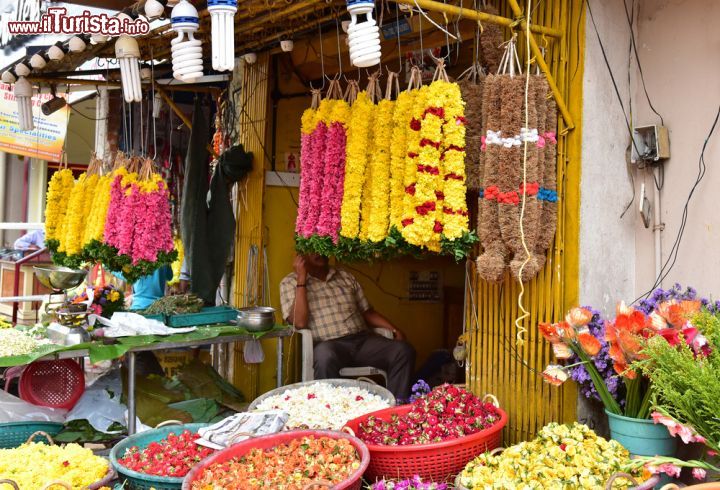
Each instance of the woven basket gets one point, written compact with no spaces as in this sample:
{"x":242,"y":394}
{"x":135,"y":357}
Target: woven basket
{"x":14,"y":434}
{"x":141,"y":481}
{"x":354,"y":481}
{"x":439,"y":461}
{"x":378,"y":390}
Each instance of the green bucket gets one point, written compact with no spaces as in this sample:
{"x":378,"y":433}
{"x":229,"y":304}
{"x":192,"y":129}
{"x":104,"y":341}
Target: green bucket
{"x":642,"y":437}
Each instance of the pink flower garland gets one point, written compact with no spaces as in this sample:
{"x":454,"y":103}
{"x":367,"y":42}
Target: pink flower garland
{"x":112,"y":222}
{"x":154,"y":226}
{"x":315,"y":177}
{"x":306,"y":162}
{"x":334,"y":174}
{"x":130,"y":215}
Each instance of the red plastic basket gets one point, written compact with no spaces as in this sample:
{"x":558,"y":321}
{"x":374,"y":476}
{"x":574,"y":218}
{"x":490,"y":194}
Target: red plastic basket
{"x":353,"y":482}
{"x":57,"y":384}
{"x":439,"y":461}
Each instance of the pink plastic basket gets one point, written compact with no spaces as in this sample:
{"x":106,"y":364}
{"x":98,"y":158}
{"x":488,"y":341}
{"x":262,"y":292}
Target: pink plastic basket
{"x":57,"y":384}
{"x":353,"y":482}
{"x":439,"y":461}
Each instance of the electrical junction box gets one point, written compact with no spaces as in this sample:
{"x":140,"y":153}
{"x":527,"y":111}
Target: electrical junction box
{"x":650,"y":144}
{"x":425,"y":286}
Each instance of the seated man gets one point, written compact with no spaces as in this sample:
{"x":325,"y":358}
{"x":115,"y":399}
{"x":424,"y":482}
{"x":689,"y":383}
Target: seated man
{"x":332,"y":304}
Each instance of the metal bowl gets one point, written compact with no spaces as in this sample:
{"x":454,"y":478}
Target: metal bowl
{"x":59,"y":278}
{"x":256,"y":318}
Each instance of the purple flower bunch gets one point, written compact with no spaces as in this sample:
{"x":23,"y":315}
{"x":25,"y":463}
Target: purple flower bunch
{"x":677,"y":293}
{"x":419,"y":389}
{"x":603,"y":363}
{"x":414,"y":483}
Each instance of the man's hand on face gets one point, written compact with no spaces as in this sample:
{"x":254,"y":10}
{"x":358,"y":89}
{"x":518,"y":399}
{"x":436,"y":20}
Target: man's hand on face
{"x":300,"y":269}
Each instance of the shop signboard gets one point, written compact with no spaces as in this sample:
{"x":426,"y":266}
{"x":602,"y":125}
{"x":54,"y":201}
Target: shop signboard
{"x":45,"y":142}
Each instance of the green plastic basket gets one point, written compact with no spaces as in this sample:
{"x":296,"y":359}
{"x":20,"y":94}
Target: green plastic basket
{"x":14,"y":434}
{"x":141,"y":481}
{"x":207,"y":316}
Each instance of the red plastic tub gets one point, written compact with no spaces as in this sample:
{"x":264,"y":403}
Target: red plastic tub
{"x":439,"y":461}
{"x":353,"y":482}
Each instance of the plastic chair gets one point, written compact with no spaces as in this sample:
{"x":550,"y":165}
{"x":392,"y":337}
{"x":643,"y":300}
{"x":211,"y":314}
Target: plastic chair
{"x":308,"y":373}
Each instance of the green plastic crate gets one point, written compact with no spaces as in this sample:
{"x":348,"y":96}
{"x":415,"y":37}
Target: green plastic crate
{"x":207,"y":316}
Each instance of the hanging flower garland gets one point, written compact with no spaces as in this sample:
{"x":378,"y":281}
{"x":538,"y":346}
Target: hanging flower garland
{"x":366,"y":202}
{"x":310,"y":159}
{"x":59,"y":189}
{"x":472,"y":94}
{"x":334,"y":171}
{"x":491,"y":264}
{"x":98,"y":212}
{"x":398,"y":153}
{"x":548,"y":191}
{"x":361,"y":113}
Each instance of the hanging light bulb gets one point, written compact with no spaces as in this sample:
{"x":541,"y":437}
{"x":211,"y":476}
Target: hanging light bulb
{"x":222,"y":18}
{"x":22,"y":69}
{"x":98,"y":39}
{"x":287,"y":45}
{"x":250,"y":58}
{"x":363,"y":37}
{"x":56,"y":51}
{"x":38,"y":60}
{"x":172,"y":3}
{"x":23,"y":93}
{"x":157,"y":105}
{"x":154,"y":9}
{"x":76,"y":44}
{"x":8,"y":76}
{"x":145,"y":73}
{"x":186,"y":51}
{"x":128,"y":53}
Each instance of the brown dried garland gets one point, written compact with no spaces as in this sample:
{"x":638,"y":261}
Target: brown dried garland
{"x":472,"y":94}
{"x":491,"y":41}
{"x":549,"y":204}
{"x":492,"y":263}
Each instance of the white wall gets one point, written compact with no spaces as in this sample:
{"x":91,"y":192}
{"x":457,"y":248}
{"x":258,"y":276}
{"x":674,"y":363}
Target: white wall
{"x":607,"y":243}
{"x":678,"y":45}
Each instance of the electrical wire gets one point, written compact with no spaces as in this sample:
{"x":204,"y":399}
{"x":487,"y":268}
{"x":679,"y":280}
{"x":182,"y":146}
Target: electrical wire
{"x":619,"y":97}
{"x":633,"y":44}
{"x":674,"y":251}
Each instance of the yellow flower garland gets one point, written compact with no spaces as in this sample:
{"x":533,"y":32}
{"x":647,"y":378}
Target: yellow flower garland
{"x":398,"y":154}
{"x":355,"y":164}
{"x":177,"y":265}
{"x":380,"y":171}
{"x":58,"y":192}
{"x":455,"y":220}
{"x":100,"y":203}
{"x":75,"y":216}
{"x":308,"y":121}
{"x":409,"y":231}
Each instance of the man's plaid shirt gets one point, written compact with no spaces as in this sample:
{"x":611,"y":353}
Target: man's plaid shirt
{"x":336,"y":305}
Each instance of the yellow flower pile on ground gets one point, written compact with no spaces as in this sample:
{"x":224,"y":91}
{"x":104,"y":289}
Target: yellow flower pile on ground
{"x":34,"y":465}
{"x":561,"y":457}
{"x":59,"y":189}
{"x":359,"y":131}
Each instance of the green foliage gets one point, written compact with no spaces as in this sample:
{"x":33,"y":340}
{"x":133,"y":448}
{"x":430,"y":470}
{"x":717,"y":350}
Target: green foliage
{"x":686,"y":387}
{"x":394,"y":245}
{"x":709,"y":325}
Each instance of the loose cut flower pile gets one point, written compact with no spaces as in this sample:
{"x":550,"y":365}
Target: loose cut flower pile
{"x":386,"y":177}
{"x":323,"y":406}
{"x":34,"y":465}
{"x":447,"y":412}
{"x":13,"y":342}
{"x":561,"y":456}
{"x":173,"y":456}
{"x":121,"y":219}
{"x":414,"y":483}
{"x":289,"y":466}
